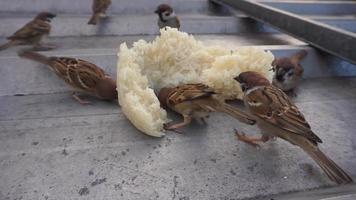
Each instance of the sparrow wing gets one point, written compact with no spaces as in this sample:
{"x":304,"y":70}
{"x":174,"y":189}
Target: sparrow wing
{"x":189,"y":92}
{"x":283,"y":113}
{"x":32,"y":29}
{"x":79,"y":73}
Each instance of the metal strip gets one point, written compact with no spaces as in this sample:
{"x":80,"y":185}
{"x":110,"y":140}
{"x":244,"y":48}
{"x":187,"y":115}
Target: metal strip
{"x":330,"y":39}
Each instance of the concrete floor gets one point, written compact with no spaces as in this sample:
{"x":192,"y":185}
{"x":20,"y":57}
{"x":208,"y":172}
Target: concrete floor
{"x":232,"y":41}
{"x":53,"y":148}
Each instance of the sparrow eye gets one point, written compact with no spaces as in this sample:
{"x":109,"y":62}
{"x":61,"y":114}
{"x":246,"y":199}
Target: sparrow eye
{"x":290,"y":74}
{"x":243,"y":87}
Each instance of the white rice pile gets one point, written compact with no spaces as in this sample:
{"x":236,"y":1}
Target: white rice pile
{"x":176,"y":58}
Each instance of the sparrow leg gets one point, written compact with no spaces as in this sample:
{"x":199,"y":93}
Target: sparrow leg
{"x":203,"y":120}
{"x":186,"y":120}
{"x":251,"y":140}
{"x":81,"y":101}
{"x":166,"y":127}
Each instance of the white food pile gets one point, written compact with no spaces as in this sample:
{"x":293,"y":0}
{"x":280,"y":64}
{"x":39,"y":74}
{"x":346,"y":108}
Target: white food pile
{"x":176,"y":58}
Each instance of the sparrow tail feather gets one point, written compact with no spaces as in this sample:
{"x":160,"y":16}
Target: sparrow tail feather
{"x":35,"y":56}
{"x":8,"y":44}
{"x":332,"y":170}
{"x":94,"y":19}
{"x":234,"y":112}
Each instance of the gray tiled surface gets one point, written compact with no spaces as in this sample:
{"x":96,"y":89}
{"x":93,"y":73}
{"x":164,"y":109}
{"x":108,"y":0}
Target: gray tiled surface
{"x":76,"y":25}
{"x":346,"y":192}
{"x":106,"y":42}
{"x":314,"y":7}
{"x":27,"y":77}
{"x":52,"y":148}
{"x":181,"y":6}
{"x":84,"y":6}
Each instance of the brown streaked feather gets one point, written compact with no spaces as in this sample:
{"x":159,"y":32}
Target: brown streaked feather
{"x":81,"y":65}
{"x":87,"y":79}
{"x":188,"y":92}
{"x":287,"y":64}
{"x":197,"y":101}
{"x":32,"y":29}
{"x":100,"y":6}
{"x":71,"y":75}
{"x":291,"y":62}
{"x":283,"y":113}
{"x":78,"y":73}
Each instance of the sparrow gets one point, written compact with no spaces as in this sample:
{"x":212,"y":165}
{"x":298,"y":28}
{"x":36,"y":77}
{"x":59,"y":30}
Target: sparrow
{"x":99,"y":8}
{"x":288,"y":72}
{"x":81,"y":75}
{"x":278,"y":116}
{"x":196,"y":101}
{"x":167,"y":17}
{"x":32,"y":33}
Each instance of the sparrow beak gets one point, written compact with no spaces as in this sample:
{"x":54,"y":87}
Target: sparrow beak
{"x":51,"y":15}
{"x":237,"y":79}
{"x":280,"y":78}
{"x":242,"y":85}
{"x":156,"y":11}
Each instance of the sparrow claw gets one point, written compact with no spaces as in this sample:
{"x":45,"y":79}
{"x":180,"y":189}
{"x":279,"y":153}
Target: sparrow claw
{"x":203,"y":121}
{"x":85,"y":102}
{"x":81,"y":101}
{"x":171,"y":128}
{"x":242,"y":137}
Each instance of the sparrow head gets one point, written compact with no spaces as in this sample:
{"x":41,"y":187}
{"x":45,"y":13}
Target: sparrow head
{"x":164,"y":11}
{"x":163,"y":96}
{"x":45,"y":16}
{"x":251,"y":79}
{"x":106,"y":89}
{"x":285,"y":70}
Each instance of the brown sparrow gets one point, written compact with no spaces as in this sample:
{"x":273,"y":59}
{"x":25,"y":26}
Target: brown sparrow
{"x":278,"y":116}
{"x":167,"y":17}
{"x":32,"y":33}
{"x":99,"y":10}
{"x":196,"y":101}
{"x":81,"y":75}
{"x":288,"y":71}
